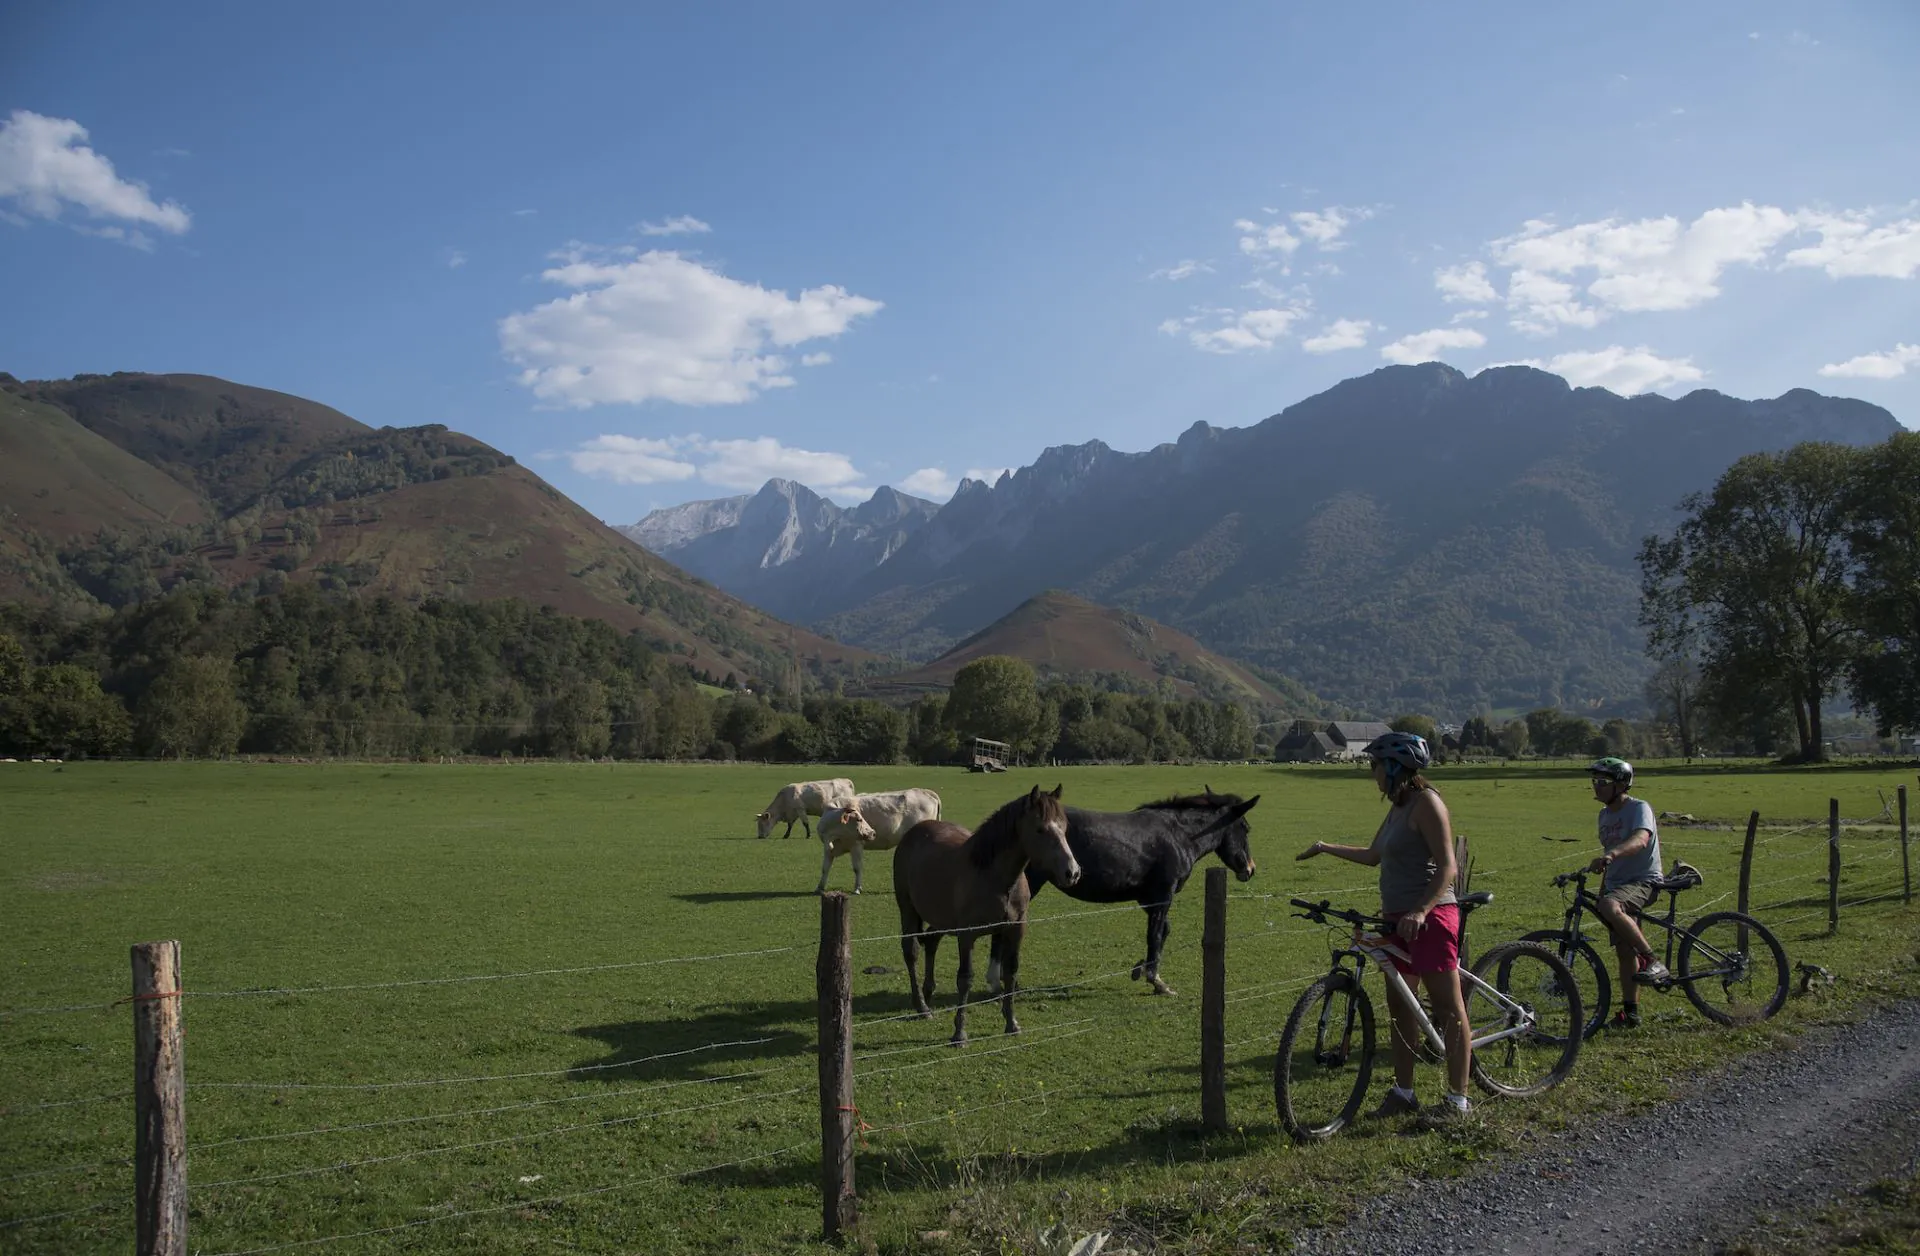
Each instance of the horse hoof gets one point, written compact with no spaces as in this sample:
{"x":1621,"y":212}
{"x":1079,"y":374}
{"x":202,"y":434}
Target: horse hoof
{"x":958,"y":1040}
{"x":1013,"y":1027}
{"x":1161,"y":987}
{"x":1135,"y":974}
{"x":925,"y":1013}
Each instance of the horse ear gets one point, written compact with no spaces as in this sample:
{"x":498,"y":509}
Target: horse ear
{"x":1056,"y":789}
{"x":1207,"y":790}
{"x":1034,"y":794}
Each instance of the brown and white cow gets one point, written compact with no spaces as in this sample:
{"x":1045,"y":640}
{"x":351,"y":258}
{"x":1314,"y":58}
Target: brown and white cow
{"x":871,"y":822}
{"x":799,"y":800}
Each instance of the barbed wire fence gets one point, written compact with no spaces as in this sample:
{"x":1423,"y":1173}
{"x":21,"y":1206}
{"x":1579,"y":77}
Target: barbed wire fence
{"x":771,"y":1084}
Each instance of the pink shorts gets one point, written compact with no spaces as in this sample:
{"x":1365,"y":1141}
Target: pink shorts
{"x":1436,"y":948}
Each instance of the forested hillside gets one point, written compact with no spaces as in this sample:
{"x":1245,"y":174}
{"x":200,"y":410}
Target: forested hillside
{"x":121,"y":487}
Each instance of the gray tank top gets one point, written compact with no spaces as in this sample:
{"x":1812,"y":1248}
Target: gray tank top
{"x":1406,"y":865}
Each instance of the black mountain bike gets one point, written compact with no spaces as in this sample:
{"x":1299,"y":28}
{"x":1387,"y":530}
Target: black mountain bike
{"x":1730,"y":965}
{"x":1523,"y":1014}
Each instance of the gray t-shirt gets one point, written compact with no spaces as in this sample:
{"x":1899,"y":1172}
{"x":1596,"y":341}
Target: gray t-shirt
{"x":1406,"y":865}
{"x":1616,"y":826}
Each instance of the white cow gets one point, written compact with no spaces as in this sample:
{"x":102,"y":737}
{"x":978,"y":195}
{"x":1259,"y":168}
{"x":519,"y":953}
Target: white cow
{"x":871,"y":822}
{"x":800,"y":800}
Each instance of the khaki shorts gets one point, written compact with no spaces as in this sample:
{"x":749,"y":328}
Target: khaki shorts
{"x":1634,"y":895}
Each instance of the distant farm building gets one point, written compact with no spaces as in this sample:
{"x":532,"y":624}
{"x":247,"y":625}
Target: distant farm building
{"x":1331,"y":741}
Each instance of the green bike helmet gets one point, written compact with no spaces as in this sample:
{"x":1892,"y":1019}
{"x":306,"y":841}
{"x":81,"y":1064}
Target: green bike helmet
{"x":1613,"y":768}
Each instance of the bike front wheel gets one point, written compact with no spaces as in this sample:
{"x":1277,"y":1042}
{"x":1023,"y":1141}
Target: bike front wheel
{"x":1326,"y":1058}
{"x":1589,"y":974}
{"x":1732,"y":968}
{"x":1535,"y":1002}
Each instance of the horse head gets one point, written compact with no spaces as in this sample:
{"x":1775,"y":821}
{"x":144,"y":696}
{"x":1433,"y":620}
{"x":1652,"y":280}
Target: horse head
{"x":1235,"y":846}
{"x":1042,"y":826}
{"x":763,"y":824}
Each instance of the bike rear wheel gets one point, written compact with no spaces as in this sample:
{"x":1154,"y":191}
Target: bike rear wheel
{"x":1589,"y":970}
{"x":1549,"y":1015}
{"x":1733,"y":968}
{"x":1326,"y":1058}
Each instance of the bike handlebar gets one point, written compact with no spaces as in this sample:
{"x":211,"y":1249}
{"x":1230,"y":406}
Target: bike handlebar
{"x":1320,"y":911}
{"x":1567,"y":878}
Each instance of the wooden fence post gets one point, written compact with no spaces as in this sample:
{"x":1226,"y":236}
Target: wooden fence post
{"x":1906,"y":869}
{"x":1746,"y":859}
{"x":1213,"y":1005}
{"x":159,"y":1103}
{"x":833,"y":976}
{"x":1833,"y":865}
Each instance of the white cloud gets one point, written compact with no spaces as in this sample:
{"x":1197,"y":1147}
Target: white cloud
{"x":1889,"y":365}
{"x":45,"y":167}
{"x":1252,"y":329}
{"x":1272,"y":242}
{"x":659,"y":326}
{"x":630,"y":460}
{"x":1644,"y":265}
{"x":750,"y":463}
{"x":454,"y":259}
{"x":1467,"y":316}
{"x":685,"y":224}
{"x":1345,"y":333}
{"x":1625,"y":371}
{"x":1851,"y":246}
{"x":730,"y":464}
{"x":1182,"y":270}
{"x":1542,"y":305}
{"x":523,"y":213}
{"x":1324,"y":227}
{"x":815,"y":359}
{"x":932,"y":483}
{"x":1465,"y":283}
{"x":1426,"y":346}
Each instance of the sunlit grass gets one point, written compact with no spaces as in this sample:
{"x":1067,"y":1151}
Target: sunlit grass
{"x":292,"y":877}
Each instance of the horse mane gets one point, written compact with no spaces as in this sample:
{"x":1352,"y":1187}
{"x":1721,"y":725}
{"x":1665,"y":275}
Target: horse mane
{"x":1000,"y":831}
{"x":1192,"y":802}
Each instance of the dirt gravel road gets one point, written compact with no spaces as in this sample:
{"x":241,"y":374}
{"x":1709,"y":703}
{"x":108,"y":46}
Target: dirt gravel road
{"x":1779,"y":1134}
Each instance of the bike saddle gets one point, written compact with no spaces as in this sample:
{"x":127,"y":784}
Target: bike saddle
{"x":1684,"y":877}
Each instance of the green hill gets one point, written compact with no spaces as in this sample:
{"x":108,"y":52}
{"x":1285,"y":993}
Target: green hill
{"x":119,"y":487}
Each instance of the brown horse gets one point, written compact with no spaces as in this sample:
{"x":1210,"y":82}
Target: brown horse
{"x":948,"y":880}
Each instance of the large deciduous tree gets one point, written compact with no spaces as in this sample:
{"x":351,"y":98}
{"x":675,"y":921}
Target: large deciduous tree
{"x":1885,"y":537}
{"x":192,"y":711}
{"x":1760,"y":567}
{"x":996,"y":697}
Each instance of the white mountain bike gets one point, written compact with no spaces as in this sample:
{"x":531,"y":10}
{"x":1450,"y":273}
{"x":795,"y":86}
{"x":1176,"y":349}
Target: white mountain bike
{"x":1523,"y":1010}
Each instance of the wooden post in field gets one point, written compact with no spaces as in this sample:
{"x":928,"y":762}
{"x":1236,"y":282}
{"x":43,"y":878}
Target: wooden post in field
{"x":1746,"y":859}
{"x":1906,"y":868}
{"x":1213,"y":1005}
{"x":159,"y":1103}
{"x":1833,"y":865}
{"x":833,"y":976}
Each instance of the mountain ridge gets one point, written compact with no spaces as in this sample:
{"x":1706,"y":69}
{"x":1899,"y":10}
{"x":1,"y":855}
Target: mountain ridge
{"x":1413,"y":538}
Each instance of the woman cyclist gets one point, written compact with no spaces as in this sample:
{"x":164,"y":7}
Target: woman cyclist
{"x":1629,"y":864}
{"x":1414,"y":851}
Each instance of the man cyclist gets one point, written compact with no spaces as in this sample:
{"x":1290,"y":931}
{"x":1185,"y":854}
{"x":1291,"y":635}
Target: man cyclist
{"x":1629,"y":862}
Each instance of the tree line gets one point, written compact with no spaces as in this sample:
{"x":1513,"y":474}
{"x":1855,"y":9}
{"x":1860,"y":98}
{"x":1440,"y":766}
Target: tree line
{"x":1794,"y":579}
{"x":200,"y":672}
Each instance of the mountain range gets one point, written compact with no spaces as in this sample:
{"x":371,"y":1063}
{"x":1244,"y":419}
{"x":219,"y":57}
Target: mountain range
{"x":1411,"y":539}
{"x":113,"y":487}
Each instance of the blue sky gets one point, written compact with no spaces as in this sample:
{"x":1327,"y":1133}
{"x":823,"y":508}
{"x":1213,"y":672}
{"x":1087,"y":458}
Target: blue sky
{"x":662,"y":254}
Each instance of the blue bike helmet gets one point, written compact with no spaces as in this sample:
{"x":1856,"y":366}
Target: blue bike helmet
{"x":1401,"y":752}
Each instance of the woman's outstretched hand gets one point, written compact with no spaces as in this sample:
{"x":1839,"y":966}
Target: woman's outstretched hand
{"x":1318,"y":848}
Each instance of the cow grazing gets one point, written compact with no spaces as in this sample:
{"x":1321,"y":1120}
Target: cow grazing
{"x":871,"y":822}
{"x":799,"y":800}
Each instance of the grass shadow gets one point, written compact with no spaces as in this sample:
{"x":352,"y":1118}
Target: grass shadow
{"x":706,"y":898}
{"x":722,"y":1041}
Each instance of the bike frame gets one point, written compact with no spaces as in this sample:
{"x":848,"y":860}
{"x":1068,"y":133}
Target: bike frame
{"x":1379,"y":950}
{"x":1585,"y":901}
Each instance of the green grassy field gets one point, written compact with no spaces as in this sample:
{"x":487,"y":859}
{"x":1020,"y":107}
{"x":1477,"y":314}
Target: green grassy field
{"x":610,"y":1091}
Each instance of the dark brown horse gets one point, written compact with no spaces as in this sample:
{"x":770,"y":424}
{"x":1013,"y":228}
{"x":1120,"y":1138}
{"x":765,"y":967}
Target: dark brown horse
{"x":950,"y":881}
